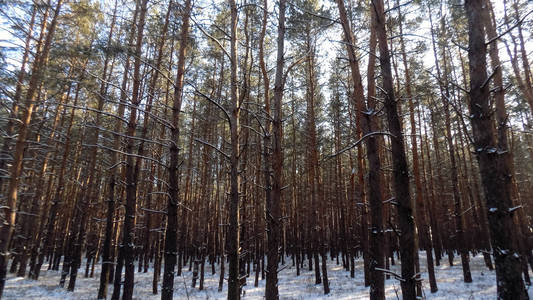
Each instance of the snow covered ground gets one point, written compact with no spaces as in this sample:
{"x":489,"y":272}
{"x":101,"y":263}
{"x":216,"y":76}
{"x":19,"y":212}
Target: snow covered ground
{"x":449,"y":280}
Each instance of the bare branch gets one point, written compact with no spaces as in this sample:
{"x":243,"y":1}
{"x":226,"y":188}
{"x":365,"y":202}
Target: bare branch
{"x":508,"y":29}
{"x":214,"y":39}
{"x":359,"y":141}
{"x":213,"y":146}
{"x":212,"y":101}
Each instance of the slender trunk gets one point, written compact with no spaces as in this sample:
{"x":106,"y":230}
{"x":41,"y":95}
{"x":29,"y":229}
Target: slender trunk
{"x":422,"y":225}
{"x":377,"y":278}
{"x":132,"y":170}
{"x":9,"y":210}
{"x":28,"y":223}
{"x":10,"y":126}
{"x":173,"y":187}
{"x":399,"y":160}
{"x":273,"y":203}
{"x":233,"y":236}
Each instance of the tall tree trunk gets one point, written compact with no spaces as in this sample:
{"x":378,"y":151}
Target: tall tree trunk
{"x":132,"y":170}
{"x":377,"y":278}
{"x":171,"y":246}
{"x":312,"y":153}
{"x":233,"y":230}
{"x":460,"y":241}
{"x":274,"y":163}
{"x":422,"y":225}
{"x":108,"y":235}
{"x":501,"y":126}
{"x":492,"y":162}
{"x":116,"y":273}
{"x":399,"y":161}
{"x":10,"y":209}
{"x":144,"y":133}
{"x":10,"y":126}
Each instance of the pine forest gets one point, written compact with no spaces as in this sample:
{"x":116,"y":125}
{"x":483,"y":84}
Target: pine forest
{"x":259,"y":149}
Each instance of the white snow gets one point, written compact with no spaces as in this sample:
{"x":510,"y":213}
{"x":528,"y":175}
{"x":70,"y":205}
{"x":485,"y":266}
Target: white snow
{"x":449,"y":281}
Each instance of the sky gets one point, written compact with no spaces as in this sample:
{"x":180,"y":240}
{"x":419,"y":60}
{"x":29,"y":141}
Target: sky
{"x":328,"y":42}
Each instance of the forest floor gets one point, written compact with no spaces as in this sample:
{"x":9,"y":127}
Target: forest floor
{"x":449,"y":281}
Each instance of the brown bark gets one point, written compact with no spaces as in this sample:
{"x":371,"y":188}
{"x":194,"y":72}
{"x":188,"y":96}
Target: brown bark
{"x":233,"y":236}
{"x":502,"y":131}
{"x":377,"y":278}
{"x":106,"y":255}
{"x":9,"y":211}
{"x":132,"y":170}
{"x":493,"y":165}
{"x":273,"y":192}
{"x":10,"y":126}
{"x":425,"y":241}
{"x":399,"y":161}
{"x":173,"y":185}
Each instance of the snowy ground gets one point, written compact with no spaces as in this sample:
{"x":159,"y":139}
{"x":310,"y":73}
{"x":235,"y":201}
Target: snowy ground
{"x":449,"y":281}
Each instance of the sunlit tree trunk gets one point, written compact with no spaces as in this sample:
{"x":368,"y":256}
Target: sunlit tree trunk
{"x":9,"y":210}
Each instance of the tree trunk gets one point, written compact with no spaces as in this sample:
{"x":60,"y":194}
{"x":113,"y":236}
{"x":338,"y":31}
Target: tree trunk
{"x":171,"y":246}
{"x":425,"y":241}
{"x":131,"y":173}
{"x":233,"y":230}
{"x":10,"y":126}
{"x":492,"y":162}
{"x":9,"y":210}
{"x":399,"y":160}
{"x":377,"y":278}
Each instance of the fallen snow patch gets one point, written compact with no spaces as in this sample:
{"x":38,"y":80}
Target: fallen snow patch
{"x":291,"y":287}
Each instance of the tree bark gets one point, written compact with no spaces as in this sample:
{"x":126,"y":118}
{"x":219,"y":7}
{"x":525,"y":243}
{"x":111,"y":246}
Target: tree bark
{"x":493,"y":165}
{"x":171,"y":246}
{"x":233,"y":236}
{"x":9,"y":210}
{"x":377,"y":278}
{"x":132,"y":170}
{"x":399,"y":160}
{"x":425,"y":241}
{"x":10,"y":126}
